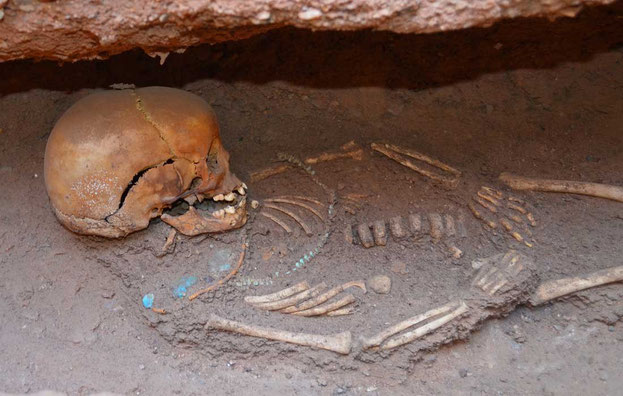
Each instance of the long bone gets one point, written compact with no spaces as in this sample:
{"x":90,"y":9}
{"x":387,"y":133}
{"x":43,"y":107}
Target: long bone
{"x":287,"y":302}
{"x":349,"y":150}
{"x":563,"y":186}
{"x":561,"y":287}
{"x":299,"y":287}
{"x":325,"y":296}
{"x":377,"y":339}
{"x":395,"y":153}
{"x":340,"y":343}
{"x":425,"y":329}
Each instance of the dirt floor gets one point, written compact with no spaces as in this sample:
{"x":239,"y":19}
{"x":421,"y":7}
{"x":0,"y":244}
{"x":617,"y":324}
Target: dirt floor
{"x":531,"y":97}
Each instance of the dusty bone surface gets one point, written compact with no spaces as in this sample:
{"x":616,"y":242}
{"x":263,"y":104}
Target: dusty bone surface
{"x":74,"y":30}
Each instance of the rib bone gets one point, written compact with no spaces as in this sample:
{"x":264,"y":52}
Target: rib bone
{"x":340,"y":343}
{"x":341,"y":312}
{"x":287,"y":302}
{"x":561,"y":287}
{"x":563,"y":186}
{"x":276,"y":220}
{"x":301,"y":198}
{"x":299,"y":287}
{"x":323,"y":309}
{"x":293,"y":215}
{"x":292,"y":202}
{"x":325,"y":296}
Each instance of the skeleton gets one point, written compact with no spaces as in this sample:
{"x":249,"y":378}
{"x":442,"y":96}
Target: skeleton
{"x":511,"y":213}
{"x":117,"y":159}
{"x":563,"y":186}
{"x":301,"y":300}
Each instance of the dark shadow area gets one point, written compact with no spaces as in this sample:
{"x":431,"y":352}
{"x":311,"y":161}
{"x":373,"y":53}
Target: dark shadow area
{"x":345,"y":59}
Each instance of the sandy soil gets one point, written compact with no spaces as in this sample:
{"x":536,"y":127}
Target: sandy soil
{"x":530,"y":97}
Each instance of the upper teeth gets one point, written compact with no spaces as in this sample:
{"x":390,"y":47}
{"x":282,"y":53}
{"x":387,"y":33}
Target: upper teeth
{"x":241,"y":191}
{"x":219,"y":197}
{"x":230,"y":197}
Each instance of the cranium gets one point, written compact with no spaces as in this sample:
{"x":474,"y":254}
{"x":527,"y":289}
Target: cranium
{"x":117,"y":159}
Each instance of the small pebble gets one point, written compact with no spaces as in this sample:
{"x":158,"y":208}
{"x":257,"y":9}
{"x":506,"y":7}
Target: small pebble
{"x":463,"y":373}
{"x":380,"y":284}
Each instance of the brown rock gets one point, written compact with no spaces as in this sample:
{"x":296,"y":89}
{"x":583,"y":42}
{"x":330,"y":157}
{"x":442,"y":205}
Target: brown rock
{"x":380,"y":284}
{"x":71,"y":30}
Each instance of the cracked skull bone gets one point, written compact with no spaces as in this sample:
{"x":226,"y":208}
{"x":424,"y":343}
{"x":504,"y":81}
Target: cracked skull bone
{"x":117,"y":159}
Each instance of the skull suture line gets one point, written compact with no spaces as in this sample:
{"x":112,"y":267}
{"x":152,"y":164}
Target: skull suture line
{"x":117,"y":159}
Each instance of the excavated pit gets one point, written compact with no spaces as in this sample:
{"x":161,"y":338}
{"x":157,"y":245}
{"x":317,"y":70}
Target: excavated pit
{"x":531,"y":97}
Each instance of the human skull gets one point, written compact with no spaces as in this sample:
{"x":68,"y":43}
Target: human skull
{"x":117,"y":159}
